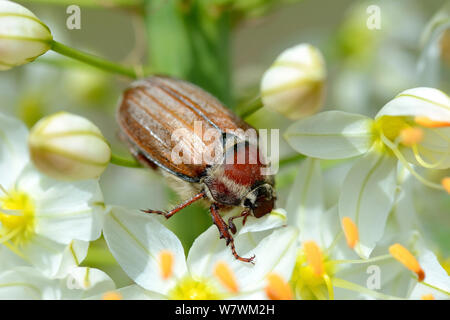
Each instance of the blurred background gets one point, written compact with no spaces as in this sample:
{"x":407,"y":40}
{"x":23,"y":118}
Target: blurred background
{"x":225,"y":46}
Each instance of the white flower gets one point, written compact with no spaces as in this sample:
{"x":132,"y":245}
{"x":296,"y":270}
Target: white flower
{"x":64,"y":261}
{"x":294,"y":85}
{"x":27,"y":283}
{"x":68,"y":147}
{"x":437,"y":281}
{"x":327,"y":263}
{"x":412,"y":128}
{"x":154,"y":258}
{"x":40,"y":217}
{"x":23,"y":37}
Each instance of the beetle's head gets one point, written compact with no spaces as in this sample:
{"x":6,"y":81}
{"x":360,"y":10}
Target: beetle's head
{"x":260,"y":200}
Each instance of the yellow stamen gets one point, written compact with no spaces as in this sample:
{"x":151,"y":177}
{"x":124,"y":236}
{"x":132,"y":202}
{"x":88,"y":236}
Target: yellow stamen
{"x":428,"y":297}
{"x":350,"y":231}
{"x":411,"y":136}
{"x":314,"y":257}
{"x":402,"y":254}
{"x":277,"y":288}
{"x":428,"y":123}
{"x":226,"y":276}
{"x":446,"y":184}
{"x":197,"y":288}
{"x":17,"y":218}
{"x":112,"y":295}
{"x":166,"y":263}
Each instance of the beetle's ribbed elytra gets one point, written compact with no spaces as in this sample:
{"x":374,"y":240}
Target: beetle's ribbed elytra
{"x":155,"y":108}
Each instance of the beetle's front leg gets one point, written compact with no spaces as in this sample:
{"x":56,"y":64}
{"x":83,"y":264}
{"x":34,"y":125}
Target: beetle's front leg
{"x":170,"y":213}
{"x":244,"y":214}
{"x":224,"y":234}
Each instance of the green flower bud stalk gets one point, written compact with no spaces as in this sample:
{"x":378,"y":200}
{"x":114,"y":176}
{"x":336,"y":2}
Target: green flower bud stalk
{"x":295,"y":84}
{"x":23,"y":37}
{"x":68,"y":147}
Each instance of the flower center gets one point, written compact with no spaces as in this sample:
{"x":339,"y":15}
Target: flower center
{"x":391,"y":128}
{"x":16,"y":218}
{"x":306,"y":282}
{"x":189,"y":288}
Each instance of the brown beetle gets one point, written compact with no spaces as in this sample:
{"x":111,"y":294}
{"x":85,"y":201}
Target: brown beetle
{"x":152,"y":109}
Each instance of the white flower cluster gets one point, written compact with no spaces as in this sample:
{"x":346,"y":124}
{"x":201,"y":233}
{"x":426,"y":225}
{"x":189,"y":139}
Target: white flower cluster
{"x":47,"y":224}
{"x":317,"y":247}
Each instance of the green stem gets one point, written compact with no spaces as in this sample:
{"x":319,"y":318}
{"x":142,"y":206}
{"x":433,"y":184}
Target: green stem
{"x":191,"y":41}
{"x":93,"y":60}
{"x":124,"y":162}
{"x":251,"y":107}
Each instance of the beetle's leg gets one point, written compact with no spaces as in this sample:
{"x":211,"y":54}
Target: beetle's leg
{"x":170,"y":213}
{"x":224,"y":234}
{"x":244,"y":214}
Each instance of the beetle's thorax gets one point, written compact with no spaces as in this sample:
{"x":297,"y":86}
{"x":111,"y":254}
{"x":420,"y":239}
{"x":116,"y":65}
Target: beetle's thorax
{"x":233,"y":181}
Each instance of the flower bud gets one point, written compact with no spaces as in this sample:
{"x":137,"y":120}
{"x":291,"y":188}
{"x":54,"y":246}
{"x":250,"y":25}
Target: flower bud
{"x":294,"y":84}
{"x":68,"y":147}
{"x":23,"y":37}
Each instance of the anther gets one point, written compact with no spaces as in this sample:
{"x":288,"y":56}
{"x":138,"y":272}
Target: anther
{"x":428,"y":123}
{"x":314,"y":257}
{"x":277,"y":288}
{"x":350,"y":231}
{"x":411,"y":136}
{"x":446,"y":184}
{"x":166,"y":260}
{"x":402,"y":254}
{"x":112,"y":295}
{"x":226,"y":276}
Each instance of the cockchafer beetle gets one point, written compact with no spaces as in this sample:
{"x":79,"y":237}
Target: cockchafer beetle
{"x":149,"y":113}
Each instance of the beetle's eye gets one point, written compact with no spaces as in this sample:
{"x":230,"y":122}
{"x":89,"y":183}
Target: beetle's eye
{"x":248,"y":203}
{"x":263,"y":206}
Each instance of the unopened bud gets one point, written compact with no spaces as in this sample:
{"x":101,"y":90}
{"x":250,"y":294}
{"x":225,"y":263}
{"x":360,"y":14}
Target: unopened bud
{"x":68,"y":147}
{"x":23,"y":37}
{"x":295,"y":84}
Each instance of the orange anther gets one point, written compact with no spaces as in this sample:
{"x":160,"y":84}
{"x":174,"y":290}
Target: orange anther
{"x":402,"y":254}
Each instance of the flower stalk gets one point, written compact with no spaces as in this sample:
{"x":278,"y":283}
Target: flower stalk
{"x":93,"y":60}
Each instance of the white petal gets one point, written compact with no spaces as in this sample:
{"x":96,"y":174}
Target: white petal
{"x":83,"y":282}
{"x":305,"y":200}
{"x":64,"y":210}
{"x":367,"y":197}
{"x":404,"y":211}
{"x":331,"y":238}
{"x":275,"y":252}
{"x":73,"y":255}
{"x":435,"y":276}
{"x":273,"y":220}
{"x":134,"y":292}
{"x":23,"y":283}
{"x":45,"y":254}
{"x":135,"y":239}
{"x":394,"y":279}
{"x":13,"y":150}
{"x":9,"y":260}
{"x":331,"y":135}
{"x":427,"y":102}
